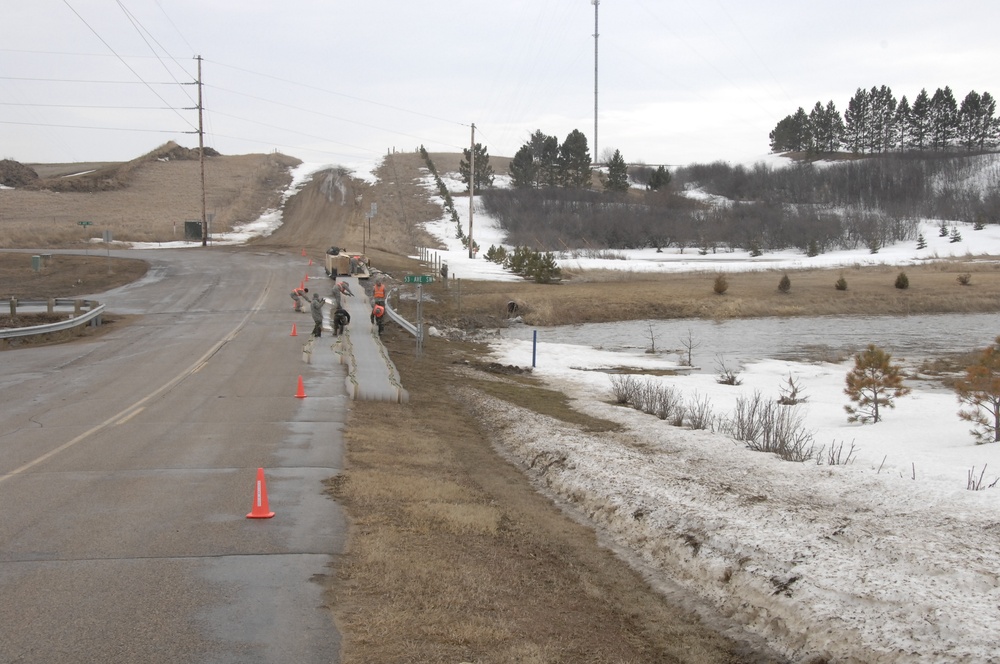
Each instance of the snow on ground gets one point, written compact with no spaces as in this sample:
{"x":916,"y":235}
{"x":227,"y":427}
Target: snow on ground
{"x":890,"y":558}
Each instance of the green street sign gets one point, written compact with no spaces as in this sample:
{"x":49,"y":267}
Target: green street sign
{"x":418,"y":279}
{"x":85,"y":223}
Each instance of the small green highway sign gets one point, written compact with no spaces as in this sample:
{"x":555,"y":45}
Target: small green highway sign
{"x":85,"y":223}
{"x":418,"y":279}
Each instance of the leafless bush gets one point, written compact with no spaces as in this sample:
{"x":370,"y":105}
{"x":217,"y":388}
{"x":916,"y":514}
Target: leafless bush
{"x":699,"y":413}
{"x":678,"y":416}
{"x":765,"y":426}
{"x":835,"y":455}
{"x":965,"y":278}
{"x":746,"y":421}
{"x":791,"y":392}
{"x":976,"y":484}
{"x":668,"y":399}
{"x":727,"y":376}
{"x":624,"y":388}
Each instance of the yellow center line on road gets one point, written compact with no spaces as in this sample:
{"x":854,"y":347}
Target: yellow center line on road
{"x":131,"y":411}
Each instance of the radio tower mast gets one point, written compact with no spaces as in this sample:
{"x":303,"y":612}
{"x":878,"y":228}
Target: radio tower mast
{"x":596,"y":4}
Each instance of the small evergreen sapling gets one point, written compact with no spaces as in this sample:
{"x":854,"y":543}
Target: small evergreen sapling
{"x":785,"y":284}
{"x":875,"y":382}
{"x":721,"y":284}
{"x":841,"y":283}
{"x":955,"y":235}
{"x":921,"y":242}
{"x":902,"y":281}
{"x":979,"y":393}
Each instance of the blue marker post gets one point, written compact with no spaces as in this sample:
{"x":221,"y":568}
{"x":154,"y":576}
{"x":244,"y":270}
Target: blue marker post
{"x":534,"y":347}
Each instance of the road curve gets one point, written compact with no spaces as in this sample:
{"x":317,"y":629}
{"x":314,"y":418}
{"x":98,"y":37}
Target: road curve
{"x":128,"y":464}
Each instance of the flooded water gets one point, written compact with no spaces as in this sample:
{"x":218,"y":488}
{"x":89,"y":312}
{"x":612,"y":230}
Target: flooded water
{"x":736,"y":342}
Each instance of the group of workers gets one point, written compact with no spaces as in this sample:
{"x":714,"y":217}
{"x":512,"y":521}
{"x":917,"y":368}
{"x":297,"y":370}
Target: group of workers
{"x":340,"y":318}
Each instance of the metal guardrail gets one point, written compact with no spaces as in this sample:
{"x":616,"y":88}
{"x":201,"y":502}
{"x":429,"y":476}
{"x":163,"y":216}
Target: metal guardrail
{"x":399,"y":320}
{"x":92,"y":317}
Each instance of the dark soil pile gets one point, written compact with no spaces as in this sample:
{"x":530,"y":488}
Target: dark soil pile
{"x":16,"y":174}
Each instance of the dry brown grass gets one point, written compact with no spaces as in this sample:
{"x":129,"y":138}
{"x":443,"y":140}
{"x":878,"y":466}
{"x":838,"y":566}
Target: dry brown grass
{"x":158,"y":198}
{"x":596,"y":297}
{"x":453,"y":557}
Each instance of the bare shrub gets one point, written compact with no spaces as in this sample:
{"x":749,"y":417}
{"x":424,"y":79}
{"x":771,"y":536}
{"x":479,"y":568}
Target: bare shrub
{"x":699,"y":412}
{"x":623,"y":388}
{"x":765,"y":426}
{"x":835,"y":455}
{"x":668,"y":399}
{"x":679,"y":415}
{"x":976,"y":483}
{"x":727,"y":376}
{"x":791,"y":392}
{"x":964,"y":279}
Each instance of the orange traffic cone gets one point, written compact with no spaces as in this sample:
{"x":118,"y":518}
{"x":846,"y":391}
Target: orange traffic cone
{"x":260,"y":509}
{"x":310,"y":261}
{"x":294,"y":333}
{"x":301,"y":392}
{"x":305,"y":279}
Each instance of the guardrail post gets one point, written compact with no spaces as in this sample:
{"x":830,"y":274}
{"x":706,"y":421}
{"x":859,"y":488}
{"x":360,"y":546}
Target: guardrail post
{"x":77,"y":307}
{"x":13,"y":306}
{"x":52,"y":305}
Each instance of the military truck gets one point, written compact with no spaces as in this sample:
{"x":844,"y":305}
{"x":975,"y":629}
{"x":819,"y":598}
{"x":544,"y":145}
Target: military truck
{"x":343,"y":263}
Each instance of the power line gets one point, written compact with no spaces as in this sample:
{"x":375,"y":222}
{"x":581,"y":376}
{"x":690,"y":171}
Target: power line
{"x":66,"y":2}
{"x":89,"y":82}
{"x":68,"y":126}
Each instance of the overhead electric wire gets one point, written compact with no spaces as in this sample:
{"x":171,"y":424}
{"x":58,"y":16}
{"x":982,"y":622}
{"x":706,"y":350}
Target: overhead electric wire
{"x":122,"y":60}
{"x":67,"y":126}
{"x":89,"y":82}
{"x":341,"y":94}
{"x":139,"y":28}
{"x":319,"y":113}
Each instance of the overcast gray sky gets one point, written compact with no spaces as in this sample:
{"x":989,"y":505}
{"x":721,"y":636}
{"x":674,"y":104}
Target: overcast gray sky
{"x":342,"y":82}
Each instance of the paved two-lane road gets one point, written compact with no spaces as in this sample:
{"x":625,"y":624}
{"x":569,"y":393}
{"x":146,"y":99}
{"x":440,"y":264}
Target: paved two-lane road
{"x":127,"y":467}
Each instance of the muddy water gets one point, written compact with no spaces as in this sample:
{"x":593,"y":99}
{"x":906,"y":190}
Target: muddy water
{"x":831,"y":338}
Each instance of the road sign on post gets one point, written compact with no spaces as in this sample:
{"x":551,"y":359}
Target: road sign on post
{"x":418,"y":279}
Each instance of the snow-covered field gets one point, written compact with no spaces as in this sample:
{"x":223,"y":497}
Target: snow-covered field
{"x":890,"y":558}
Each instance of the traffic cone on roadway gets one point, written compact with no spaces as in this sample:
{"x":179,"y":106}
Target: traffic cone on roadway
{"x":301,"y":392}
{"x":310,"y":261}
{"x":294,"y":333}
{"x":260,"y":508}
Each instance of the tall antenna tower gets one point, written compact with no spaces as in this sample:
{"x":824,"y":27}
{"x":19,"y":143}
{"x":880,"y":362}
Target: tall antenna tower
{"x":596,"y":3}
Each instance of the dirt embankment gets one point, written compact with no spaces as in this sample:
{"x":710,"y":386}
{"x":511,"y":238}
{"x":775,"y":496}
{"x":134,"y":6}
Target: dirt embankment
{"x":143,"y":200}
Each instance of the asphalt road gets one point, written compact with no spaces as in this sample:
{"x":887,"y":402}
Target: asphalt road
{"x":128,"y":466}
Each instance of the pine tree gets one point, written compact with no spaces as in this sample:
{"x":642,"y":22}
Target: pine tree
{"x":617,"y":174}
{"x":785,"y":284}
{"x":920,"y":120}
{"x":875,"y":382}
{"x":944,"y":118}
{"x":921,"y":242}
{"x":954,"y":236}
{"x":979,"y":392}
{"x":484,"y":171}
{"x":659,"y":178}
{"x":574,"y":161}
{"x":523,"y":169}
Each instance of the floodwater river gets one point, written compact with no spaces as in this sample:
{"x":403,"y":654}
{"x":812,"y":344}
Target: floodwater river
{"x":738,"y":342}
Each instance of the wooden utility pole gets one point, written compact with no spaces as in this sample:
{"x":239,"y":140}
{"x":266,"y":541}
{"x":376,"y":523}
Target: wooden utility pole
{"x":472,"y":186}
{"x":201,"y":158}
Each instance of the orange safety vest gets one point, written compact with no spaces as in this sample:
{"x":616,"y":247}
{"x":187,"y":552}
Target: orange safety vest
{"x":379,"y":292}
{"x":379,"y":310}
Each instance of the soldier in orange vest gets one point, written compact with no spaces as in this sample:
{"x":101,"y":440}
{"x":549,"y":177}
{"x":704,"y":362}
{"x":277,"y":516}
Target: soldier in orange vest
{"x":378,"y":313}
{"x":297,"y":295}
{"x":378,"y":293}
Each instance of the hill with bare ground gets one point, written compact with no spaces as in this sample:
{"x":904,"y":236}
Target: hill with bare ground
{"x":143,"y":200}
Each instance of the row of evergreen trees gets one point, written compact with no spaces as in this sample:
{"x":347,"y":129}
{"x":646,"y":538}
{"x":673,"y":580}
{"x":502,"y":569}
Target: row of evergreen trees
{"x":876,"y":122}
{"x":544,"y":162}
